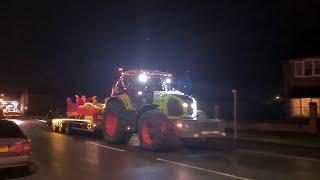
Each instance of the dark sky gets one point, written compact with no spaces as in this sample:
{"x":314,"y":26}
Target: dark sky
{"x":78,"y":46}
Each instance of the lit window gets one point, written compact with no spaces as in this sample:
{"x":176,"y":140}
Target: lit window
{"x":308,"y":68}
{"x":300,"y":106}
{"x":295,"y":107}
{"x":305,"y":106}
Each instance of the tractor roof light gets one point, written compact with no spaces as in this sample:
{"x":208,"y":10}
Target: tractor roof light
{"x":143,"y":78}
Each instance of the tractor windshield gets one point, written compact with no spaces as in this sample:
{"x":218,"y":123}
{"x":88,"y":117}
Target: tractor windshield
{"x":158,"y":84}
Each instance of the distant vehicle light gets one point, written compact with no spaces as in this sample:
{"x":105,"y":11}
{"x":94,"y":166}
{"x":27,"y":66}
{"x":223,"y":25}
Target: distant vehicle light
{"x":139,"y":93}
{"x":168,"y":80}
{"x":185,"y":105}
{"x":143,"y":78}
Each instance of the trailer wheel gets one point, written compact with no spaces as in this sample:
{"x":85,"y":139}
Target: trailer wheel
{"x":156,"y":133}
{"x":62,"y":128}
{"x":67,"y":129}
{"x":114,"y":123}
{"x":54,"y":128}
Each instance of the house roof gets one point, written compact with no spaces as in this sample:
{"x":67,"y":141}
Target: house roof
{"x":303,"y":59}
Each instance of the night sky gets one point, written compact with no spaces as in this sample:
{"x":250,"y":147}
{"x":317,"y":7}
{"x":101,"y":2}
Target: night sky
{"x":77,"y":47}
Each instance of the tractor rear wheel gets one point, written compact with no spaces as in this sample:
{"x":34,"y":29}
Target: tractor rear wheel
{"x":114,"y":123}
{"x":156,"y":133}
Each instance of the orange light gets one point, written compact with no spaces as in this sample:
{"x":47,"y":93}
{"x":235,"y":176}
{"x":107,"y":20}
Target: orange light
{"x":179,"y":125}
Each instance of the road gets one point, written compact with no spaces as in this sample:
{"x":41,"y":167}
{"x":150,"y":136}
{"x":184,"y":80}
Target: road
{"x":58,"y":156}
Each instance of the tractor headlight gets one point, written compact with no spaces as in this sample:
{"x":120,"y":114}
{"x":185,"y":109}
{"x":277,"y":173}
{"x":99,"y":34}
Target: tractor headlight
{"x":143,"y":78}
{"x":184,"y":105}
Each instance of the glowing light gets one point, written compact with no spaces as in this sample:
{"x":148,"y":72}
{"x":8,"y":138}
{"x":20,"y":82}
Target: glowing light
{"x":143,"y":78}
{"x":179,"y":125}
{"x":277,"y":97}
{"x":168,"y":80}
{"x":17,"y":121}
{"x":194,"y":107}
{"x":128,"y":128}
{"x":185,"y":105}
{"x":94,"y":125}
{"x":139,"y":93}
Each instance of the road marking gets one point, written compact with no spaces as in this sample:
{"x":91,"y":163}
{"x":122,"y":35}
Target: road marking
{"x":202,"y":169}
{"x":121,"y":150}
{"x":42,"y":121}
{"x":279,"y":155}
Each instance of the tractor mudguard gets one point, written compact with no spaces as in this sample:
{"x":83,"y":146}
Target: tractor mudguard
{"x":125,"y":99}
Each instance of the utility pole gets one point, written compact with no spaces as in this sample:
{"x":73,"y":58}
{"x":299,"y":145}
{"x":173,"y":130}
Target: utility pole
{"x":234,"y":92}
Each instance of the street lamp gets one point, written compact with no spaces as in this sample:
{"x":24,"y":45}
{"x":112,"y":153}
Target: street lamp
{"x":234,"y":92}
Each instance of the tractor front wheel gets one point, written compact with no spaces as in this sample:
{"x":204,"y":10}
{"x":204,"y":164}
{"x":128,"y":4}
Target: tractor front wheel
{"x":156,"y":133}
{"x":114,"y":123}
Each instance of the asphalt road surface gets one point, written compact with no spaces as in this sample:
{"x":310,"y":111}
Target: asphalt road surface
{"x":58,"y":157}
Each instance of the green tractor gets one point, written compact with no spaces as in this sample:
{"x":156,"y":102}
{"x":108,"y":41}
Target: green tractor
{"x":143,"y":102}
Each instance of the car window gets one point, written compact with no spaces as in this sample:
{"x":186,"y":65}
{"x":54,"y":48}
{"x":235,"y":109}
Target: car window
{"x":10,"y":130}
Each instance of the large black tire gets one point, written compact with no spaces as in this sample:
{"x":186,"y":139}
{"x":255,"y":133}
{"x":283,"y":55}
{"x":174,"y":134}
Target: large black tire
{"x":55,"y":128}
{"x":67,"y":129}
{"x":156,"y":133}
{"x":62,"y":128}
{"x":114,"y":123}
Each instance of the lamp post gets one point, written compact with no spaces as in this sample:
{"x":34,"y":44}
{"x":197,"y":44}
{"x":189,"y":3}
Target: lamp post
{"x":234,"y":92}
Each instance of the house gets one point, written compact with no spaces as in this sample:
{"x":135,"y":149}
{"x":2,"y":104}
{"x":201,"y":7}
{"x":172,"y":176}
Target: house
{"x":302,"y":84}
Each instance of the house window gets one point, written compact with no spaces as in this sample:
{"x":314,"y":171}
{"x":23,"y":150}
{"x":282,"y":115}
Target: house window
{"x":317,"y":100}
{"x":300,"y":106}
{"x":307,"y":68}
{"x":317,"y":67}
{"x":295,"y":107}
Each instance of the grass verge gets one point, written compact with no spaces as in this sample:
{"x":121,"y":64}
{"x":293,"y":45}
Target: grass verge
{"x":293,"y":140}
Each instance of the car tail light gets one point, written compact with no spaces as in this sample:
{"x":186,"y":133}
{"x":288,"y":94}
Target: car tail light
{"x":20,"y":148}
{"x":26,"y":147}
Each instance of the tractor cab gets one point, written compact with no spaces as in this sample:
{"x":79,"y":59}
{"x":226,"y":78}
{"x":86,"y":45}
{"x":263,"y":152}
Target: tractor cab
{"x":142,"y":84}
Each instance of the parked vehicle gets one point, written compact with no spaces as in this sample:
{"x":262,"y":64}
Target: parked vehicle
{"x":15,"y":147}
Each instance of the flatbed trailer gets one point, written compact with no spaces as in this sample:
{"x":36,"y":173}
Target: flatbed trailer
{"x":85,"y":118}
{"x":90,"y":124}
